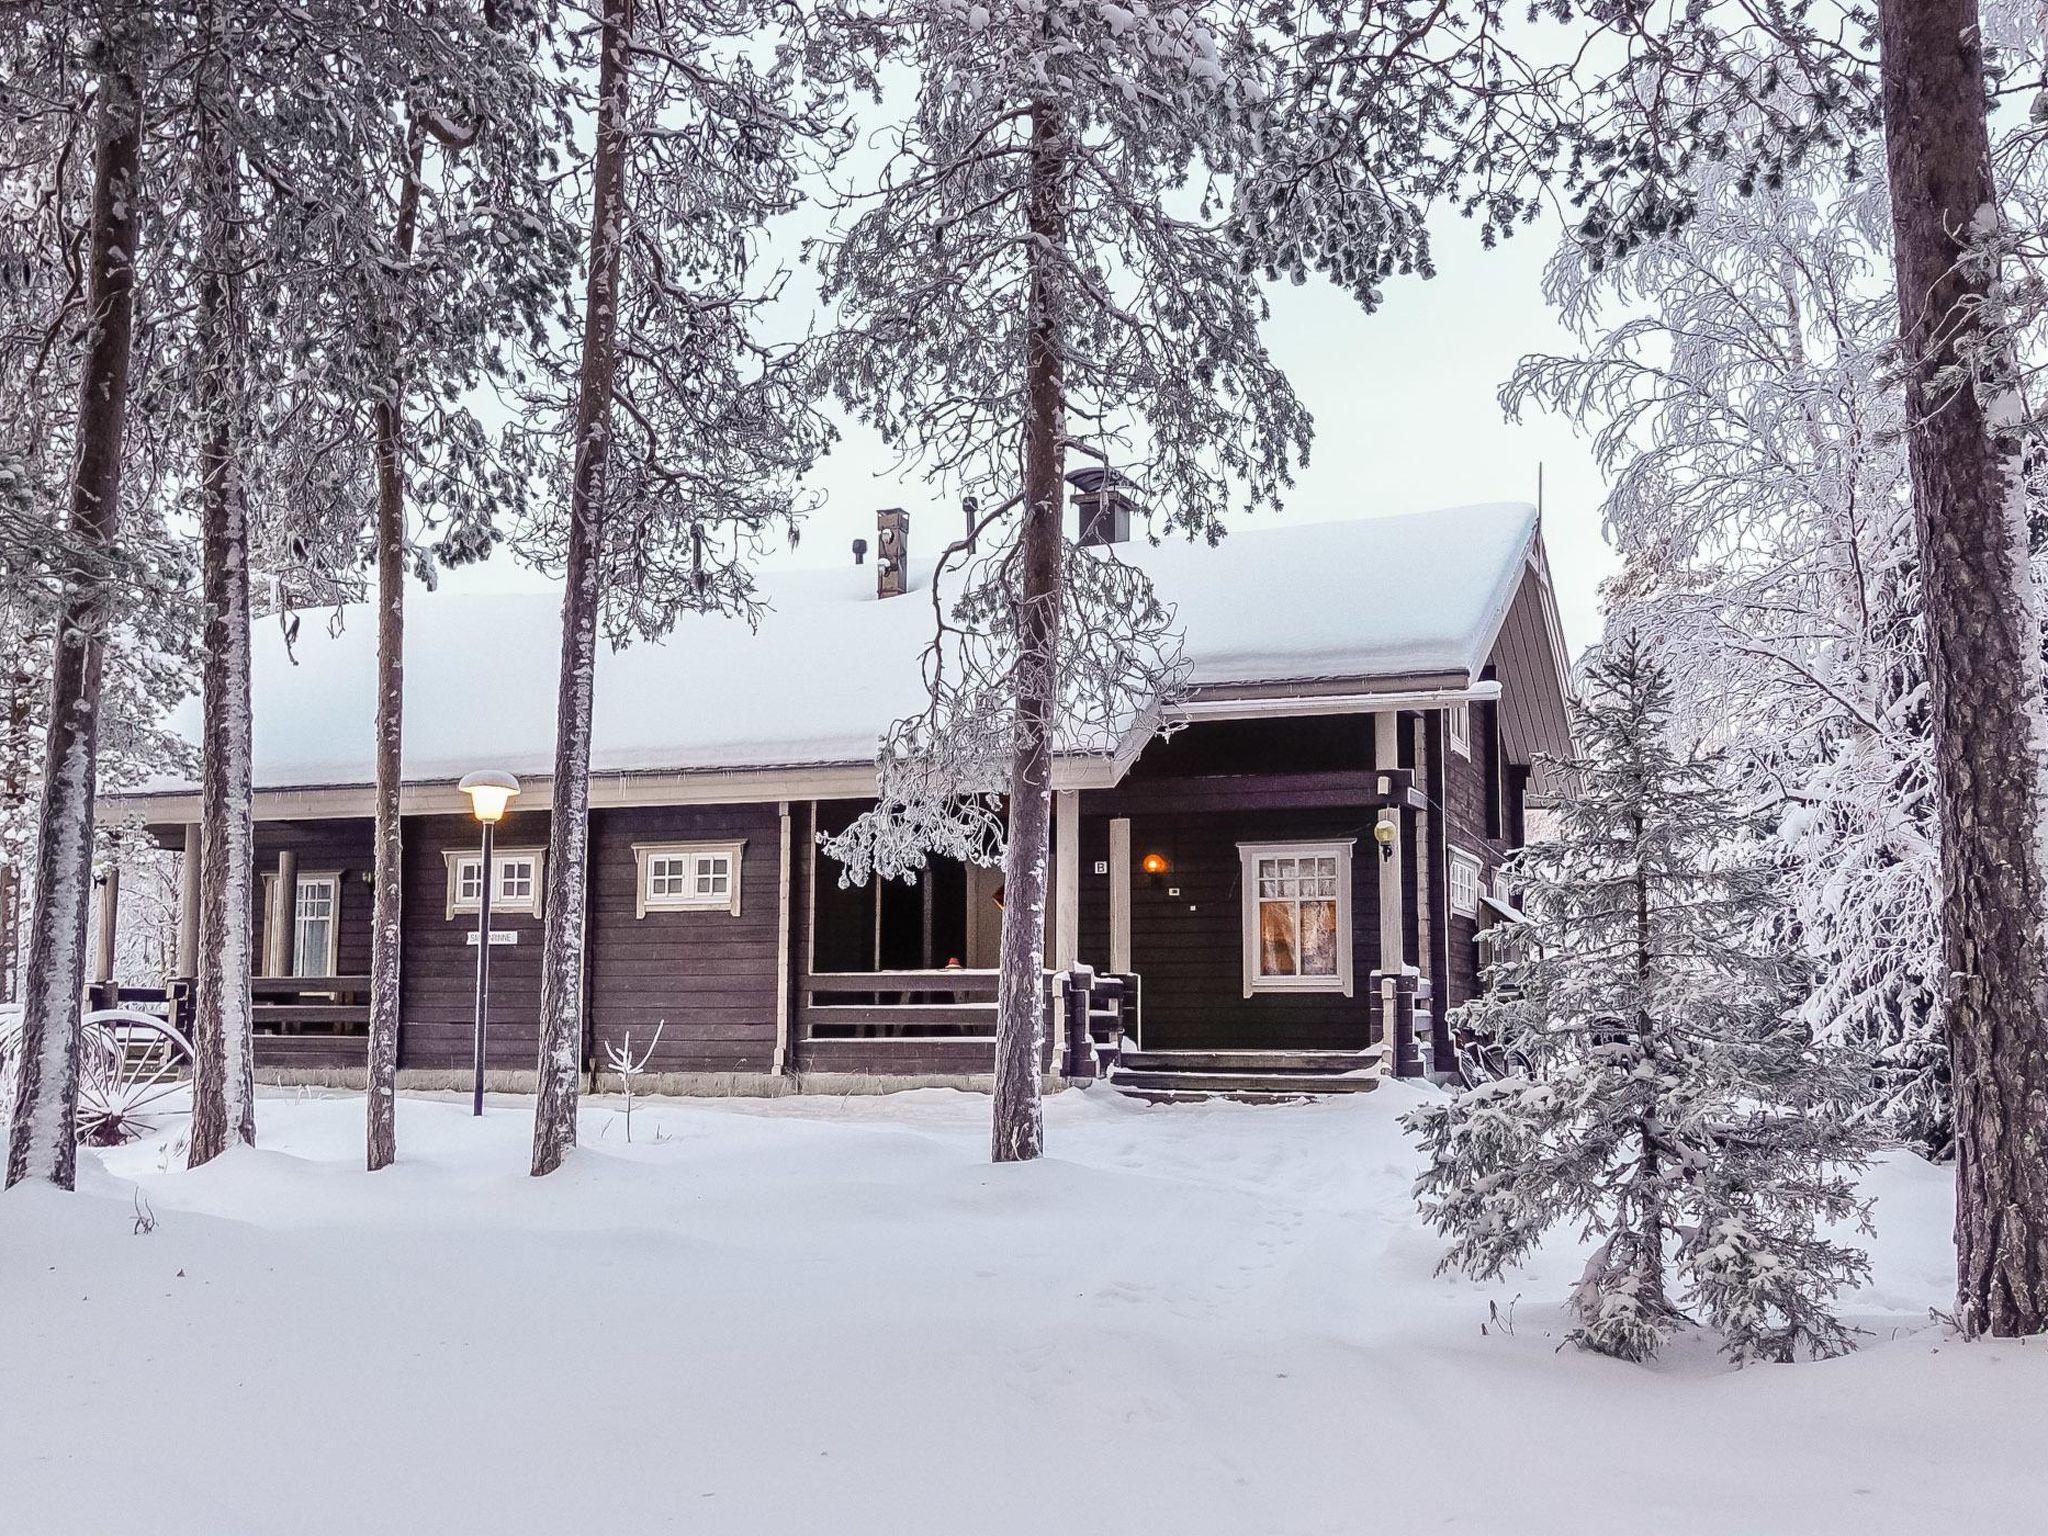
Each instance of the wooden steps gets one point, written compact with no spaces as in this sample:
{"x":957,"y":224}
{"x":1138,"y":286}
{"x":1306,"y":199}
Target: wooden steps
{"x":1252,"y":1077}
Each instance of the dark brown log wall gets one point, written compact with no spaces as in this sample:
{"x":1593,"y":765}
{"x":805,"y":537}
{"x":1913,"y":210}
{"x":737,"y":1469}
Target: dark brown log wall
{"x":1189,"y":947}
{"x":439,"y":971}
{"x":708,"y":974}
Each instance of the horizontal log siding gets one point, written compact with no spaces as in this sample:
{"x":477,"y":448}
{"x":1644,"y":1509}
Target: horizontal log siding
{"x":313,"y":1052}
{"x":438,"y":985}
{"x":323,"y":847}
{"x":706,"y":977}
{"x":1188,"y":949}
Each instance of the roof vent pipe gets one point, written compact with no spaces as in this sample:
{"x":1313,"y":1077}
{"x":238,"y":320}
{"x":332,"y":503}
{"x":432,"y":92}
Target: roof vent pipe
{"x":892,"y":551}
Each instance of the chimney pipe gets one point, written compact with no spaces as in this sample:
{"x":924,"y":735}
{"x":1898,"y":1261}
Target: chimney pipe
{"x":1104,"y":498}
{"x":892,"y":551}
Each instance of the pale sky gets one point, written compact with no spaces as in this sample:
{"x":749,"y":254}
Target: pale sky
{"x":1406,"y":419}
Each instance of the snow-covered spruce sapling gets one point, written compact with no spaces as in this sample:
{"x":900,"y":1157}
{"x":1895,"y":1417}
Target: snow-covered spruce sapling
{"x":1668,"y":1104}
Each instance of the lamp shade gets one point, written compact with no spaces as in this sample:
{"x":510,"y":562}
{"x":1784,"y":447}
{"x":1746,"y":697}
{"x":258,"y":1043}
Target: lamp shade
{"x":490,"y":790}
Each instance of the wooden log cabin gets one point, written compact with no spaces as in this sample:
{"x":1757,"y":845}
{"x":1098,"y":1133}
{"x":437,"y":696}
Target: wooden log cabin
{"x":1305,"y":862}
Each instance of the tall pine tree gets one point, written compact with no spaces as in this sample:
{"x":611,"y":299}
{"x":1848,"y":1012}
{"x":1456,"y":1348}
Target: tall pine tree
{"x":1666,"y":1099}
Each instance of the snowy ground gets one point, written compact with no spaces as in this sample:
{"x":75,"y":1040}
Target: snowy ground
{"x":833,"y":1316}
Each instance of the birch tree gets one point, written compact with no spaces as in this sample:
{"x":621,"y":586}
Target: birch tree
{"x":1736,"y":380}
{"x":681,"y":434}
{"x":1042,"y":268}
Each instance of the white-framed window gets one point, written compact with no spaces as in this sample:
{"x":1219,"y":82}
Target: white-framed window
{"x":688,"y":877}
{"x":1458,"y":726}
{"x":315,"y":921}
{"x":1297,"y":916}
{"x":515,"y":880}
{"x":313,"y":925}
{"x":1464,"y":883}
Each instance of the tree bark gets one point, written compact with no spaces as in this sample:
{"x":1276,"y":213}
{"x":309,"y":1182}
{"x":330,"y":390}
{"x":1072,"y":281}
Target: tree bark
{"x":1984,"y":665}
{"x":386,"y":931}
{"x":1018,"y":1133}
{"x":15,"y":752}
{"x":42,"y":1143}
{"x":561,"y":1017}
{"x":223,"y":1064}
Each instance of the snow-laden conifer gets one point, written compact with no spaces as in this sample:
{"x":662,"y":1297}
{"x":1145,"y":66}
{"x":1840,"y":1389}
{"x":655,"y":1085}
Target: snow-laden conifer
{"x":1664,"y":1101}
{"x":1043,"y":271}
{"x":74,"y":83}
{"x":680,"y":433}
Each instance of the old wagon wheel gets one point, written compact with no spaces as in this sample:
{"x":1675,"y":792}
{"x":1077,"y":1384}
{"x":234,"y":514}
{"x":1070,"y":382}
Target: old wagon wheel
{"x":129,"y":1064}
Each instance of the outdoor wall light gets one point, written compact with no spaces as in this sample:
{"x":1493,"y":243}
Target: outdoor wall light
{"x":1385,"y":832}
{"x":1153,"y":864}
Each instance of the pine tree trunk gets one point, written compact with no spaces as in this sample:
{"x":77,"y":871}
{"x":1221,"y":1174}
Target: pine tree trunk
{"x":561,"y":1001}
{"x":223,"y":1065}
{"x":42,"y":1145}
{"x":1019,"y":1127}
{"x":1984,"y":666}
{"x":14,"y":771}
{"x":386,"y":923}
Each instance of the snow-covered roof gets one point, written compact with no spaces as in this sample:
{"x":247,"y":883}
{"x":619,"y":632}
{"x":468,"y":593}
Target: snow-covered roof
{"x":831,"y":664}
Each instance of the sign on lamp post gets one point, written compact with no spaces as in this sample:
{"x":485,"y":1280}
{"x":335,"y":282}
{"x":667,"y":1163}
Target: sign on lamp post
{"x":490,"y":790}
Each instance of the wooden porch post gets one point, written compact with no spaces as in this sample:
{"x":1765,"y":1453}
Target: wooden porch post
{"x":1386,"y":753}
{"x":188,"y":905}
{"x":284,"y":909}
{"x":1120,"y":895}
{"x":110,"y":919}
{"x":783,"y":980}
{"x":1066,"y":949}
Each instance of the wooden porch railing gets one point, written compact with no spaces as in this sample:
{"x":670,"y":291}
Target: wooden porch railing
{"x":948,"y":1004}
{"x":285,"y":1005}
{"x":1086,"y":1014}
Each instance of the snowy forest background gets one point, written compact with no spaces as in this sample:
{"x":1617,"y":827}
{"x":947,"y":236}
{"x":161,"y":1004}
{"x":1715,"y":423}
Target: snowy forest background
{"x":299,"y":305}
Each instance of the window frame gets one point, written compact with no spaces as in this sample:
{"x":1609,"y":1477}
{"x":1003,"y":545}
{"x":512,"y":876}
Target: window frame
{"x":455,"y":859}
{"x":328,"y":877}
{"x":1461,"y":860}
{"x":1248,"y":856}
{"x":646,"y":900}
{"x":1458,"y":728}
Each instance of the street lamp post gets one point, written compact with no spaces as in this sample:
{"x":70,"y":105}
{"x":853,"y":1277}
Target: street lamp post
{"x":490,"y":791}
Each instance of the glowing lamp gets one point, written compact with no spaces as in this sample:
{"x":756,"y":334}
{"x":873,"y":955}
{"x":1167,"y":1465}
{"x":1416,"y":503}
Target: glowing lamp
{"x":1386,"y":832}
{"x":490,"y":790}
{"x":1153,"y":864}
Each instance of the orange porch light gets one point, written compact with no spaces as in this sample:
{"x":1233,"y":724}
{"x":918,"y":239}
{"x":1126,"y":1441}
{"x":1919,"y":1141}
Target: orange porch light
{"x":1153,"y":864}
